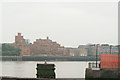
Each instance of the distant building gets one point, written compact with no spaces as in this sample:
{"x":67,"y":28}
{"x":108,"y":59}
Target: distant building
{"x":66,"y":51}
{"x":46,"y":45}
{"x":83,"y":50}
{"x":40,"y":45}
{"x":108,"y":49}
{"x":75,"y":52}
{"x":90,"y":49}
{"x":87,"y":50}
{"x":114,"y":49}
{"x":21,"y":43}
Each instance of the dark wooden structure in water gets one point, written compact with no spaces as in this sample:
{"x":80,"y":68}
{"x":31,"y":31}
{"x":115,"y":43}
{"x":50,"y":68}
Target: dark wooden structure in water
{"x":45,"y":71}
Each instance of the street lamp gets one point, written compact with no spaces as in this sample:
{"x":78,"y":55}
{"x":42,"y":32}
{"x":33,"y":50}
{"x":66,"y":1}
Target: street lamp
{"x":96,"y":53}
{"x":110,"y":48}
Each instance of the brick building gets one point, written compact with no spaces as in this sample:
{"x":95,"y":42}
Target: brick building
{"x":21,"y":43}
{"x":46,"y":46}
{"x":40,"y":45}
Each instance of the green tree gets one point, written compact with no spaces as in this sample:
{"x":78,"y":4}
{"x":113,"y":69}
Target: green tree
{"x":9,"y":50}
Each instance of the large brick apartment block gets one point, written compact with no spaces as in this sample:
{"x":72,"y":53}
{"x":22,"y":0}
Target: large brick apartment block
{"x":21,"y":43}
{"x":46,"y":46}
{"x":40,"y":45}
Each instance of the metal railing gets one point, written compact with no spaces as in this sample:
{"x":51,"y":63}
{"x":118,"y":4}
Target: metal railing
{"x":93,"y":65}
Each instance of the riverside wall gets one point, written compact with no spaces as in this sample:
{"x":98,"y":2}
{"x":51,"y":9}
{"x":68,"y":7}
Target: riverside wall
{"x":48,"y":58}
{"x":103,"y":73}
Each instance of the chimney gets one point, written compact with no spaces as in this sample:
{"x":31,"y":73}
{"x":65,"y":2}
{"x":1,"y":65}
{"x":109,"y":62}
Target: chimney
{"x":47,"y":38}
{"x":19,"y":34}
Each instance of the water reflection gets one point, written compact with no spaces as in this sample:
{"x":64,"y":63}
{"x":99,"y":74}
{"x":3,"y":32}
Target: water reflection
{"x":28,"y":69}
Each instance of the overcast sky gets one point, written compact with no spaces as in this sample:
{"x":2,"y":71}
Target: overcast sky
{"x":68,"y":23}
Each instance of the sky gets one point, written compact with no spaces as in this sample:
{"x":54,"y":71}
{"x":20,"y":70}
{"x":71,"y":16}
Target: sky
{"x":69,"y":22}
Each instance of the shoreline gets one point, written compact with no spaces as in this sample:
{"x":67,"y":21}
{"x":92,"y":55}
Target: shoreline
{"x":48,"y":58}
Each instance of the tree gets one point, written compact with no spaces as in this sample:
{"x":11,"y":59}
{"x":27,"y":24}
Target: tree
{"x":9,"y":50}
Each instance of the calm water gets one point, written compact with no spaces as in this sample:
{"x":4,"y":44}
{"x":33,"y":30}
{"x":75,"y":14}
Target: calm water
{"x":28,"y":69}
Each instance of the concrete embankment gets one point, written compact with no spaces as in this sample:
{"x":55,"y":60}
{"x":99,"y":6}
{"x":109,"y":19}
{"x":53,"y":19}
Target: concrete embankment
{"x":109,"y":74}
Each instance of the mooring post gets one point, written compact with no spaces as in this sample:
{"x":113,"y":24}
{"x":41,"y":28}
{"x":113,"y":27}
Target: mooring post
{"x":90,"y":66}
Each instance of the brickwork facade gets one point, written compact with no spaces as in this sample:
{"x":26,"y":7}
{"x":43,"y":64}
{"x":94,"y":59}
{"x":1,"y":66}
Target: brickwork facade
{"x":40,"y":45}
{"x":20,"y":43}
{"x":46,"y":45}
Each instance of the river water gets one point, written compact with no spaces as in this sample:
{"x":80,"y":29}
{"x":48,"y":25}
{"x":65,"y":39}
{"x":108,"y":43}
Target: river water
{"x":64,"y":69}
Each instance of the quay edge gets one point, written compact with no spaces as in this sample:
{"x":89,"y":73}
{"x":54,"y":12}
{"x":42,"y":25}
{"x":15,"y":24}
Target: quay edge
{"x":17,"y":78}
